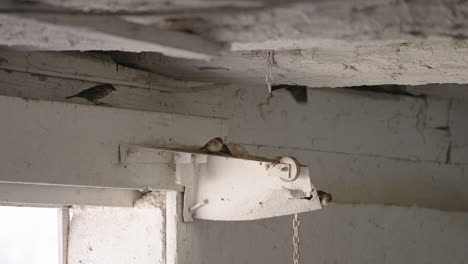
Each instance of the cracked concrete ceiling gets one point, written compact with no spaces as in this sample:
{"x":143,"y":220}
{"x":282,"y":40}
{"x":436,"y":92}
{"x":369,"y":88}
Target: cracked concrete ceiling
{"x":317,"y":43}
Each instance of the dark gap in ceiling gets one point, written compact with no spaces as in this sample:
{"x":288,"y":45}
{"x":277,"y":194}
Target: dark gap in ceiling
{"x":391,"y":89}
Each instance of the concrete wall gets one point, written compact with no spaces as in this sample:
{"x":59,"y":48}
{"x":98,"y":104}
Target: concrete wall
{"x":371,"y":152}
{"x":396,"y":166}
{"x":339,"y":234}
{"x":119,"y":235}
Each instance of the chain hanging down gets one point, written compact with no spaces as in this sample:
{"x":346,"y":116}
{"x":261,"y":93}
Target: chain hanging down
{"x":295,"y":240}
{"x":270,"y":62}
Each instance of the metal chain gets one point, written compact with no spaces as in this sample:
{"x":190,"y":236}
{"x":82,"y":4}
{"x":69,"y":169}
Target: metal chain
{"x":270,"y":62}
{"x":295,"y":240}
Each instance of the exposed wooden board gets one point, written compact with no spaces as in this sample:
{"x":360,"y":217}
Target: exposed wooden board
{"x":399,"y":62}
{"x":85,"y":67}
{"x":49,"y":195}
{"x":354,"y":179}
{"x":69,"y":144}
{"x":70,"y":32}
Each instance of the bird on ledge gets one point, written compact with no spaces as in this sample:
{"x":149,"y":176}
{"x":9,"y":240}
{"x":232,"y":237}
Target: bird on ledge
{"x":95,"y":93}
{"x":216,"y":145}
{"x":324,"y":197}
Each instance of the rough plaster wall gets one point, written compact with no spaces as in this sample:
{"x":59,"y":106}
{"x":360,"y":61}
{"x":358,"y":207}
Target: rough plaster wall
{"x":119,"y":235}
{"x":328,"y":65}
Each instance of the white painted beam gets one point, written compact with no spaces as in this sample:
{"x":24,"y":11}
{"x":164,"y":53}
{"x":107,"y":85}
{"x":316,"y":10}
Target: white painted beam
{"x":67,"y":144}
{"x":44,"y":87}
{"x":53,"y":195}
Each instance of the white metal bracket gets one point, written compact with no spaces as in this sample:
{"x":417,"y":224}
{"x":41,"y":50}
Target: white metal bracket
{"x":219,"y":187}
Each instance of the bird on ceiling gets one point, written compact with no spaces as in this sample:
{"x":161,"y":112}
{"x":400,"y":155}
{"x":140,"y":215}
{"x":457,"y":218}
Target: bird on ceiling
{"x":298,"y":92}
{"x":216,"y":145}
{"x":95,"y":93}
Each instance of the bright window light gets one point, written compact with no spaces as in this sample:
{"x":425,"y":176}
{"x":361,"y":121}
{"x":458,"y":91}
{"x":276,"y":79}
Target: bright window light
{"x":28,"y":235}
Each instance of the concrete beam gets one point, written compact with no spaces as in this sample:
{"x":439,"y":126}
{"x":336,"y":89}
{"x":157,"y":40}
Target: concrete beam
{"x":50,"y":195}
{"x":67,"y":144}
{"x":261,"y":25}
{"x":97,"y":32}
{"x":405,"y":63}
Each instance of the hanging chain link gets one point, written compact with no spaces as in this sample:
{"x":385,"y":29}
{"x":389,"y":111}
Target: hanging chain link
{"x":270,"y":62}
{"x":296,"y":223}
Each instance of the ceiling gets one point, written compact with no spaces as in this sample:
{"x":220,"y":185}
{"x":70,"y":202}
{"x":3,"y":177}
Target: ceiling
{"x":316,"y":43}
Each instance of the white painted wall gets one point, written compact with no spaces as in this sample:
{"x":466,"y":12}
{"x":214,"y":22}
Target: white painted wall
{"x":373,"y":151}
{"x":364,"y":234}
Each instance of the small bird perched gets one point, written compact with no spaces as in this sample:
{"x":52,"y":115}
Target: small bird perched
{"x":216,"y":145}
{"x":324,"y":197}
{"x":95,"y":93}
{"x":298,"y":92}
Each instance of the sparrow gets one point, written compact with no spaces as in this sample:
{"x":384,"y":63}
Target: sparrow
{"x":95,"y":93}
{"x":324,"y":197}
{"x":216,"y":145}
{"x":298,"y":92}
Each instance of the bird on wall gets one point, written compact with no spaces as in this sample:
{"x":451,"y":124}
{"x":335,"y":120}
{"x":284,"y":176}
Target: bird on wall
{"x":324,"y":197}
{"x":298,"y":92}
{"x":95,"y":93}
{"x":216,"y":145}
